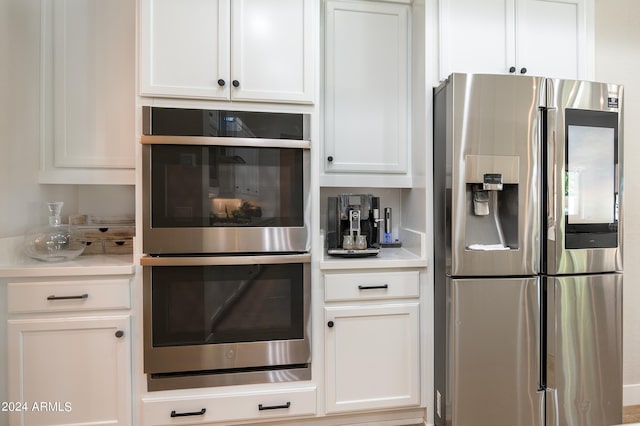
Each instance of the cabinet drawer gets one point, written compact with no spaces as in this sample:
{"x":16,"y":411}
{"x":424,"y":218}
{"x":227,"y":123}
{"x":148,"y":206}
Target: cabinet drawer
{"x":62,"y":296}
{"x":379,"y":285}
{"x":229,"y":407}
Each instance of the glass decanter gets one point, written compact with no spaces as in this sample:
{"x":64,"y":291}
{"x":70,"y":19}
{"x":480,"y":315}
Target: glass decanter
{"x":56,"y":242}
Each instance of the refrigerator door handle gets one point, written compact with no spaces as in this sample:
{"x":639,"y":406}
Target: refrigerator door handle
{"x":617,"y":193}
{"x":551,"y":414}
{"x":552,"y":176}
{"x":549,"y":311}
{"x":549,"y":350}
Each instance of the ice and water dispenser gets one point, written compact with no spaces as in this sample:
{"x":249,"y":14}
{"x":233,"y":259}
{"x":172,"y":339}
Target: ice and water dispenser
{"x":492,"y":202}
{"x":494,"y":221}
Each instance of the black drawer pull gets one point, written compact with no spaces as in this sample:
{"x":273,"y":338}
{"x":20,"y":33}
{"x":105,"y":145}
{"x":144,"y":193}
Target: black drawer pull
{"x":373,"y":287}
{"x":274,"y":407}
{"x":81,"y":296}
{"x":193,"y":413}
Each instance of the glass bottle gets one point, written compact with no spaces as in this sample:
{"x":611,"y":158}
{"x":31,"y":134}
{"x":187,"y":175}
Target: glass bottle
{"x":56,"y":242}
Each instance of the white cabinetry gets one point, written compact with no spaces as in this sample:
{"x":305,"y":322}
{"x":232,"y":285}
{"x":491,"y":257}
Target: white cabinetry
{"x":249,"y":50}
{"x":372,"y":348}
{"x":88,"y":92}
{"x":69,"y":351}
{"x":366,"y":90}
{"x":552,"y":38}
{"x":192,"y":408}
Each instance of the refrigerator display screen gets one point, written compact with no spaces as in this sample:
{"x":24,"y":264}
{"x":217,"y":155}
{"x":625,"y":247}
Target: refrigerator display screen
{"x":590,"y":180}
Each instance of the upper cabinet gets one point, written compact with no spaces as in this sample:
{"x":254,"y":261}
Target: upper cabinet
{"x":241,"y":50}
{"x":366,"y":93}
{"x":88,"y":92}
{"x":552,"y":38}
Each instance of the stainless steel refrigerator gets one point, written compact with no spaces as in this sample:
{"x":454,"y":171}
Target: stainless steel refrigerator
{"x":528,"y":251}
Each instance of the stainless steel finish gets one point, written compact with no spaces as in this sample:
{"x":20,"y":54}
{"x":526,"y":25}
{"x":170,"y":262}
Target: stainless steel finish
{"x":495,"y":133}
{"x":387,"y":220}
{"x":564,"y":94}
{"x":224,"y":260}
{"x":522,"y":339}
{"x":584,"y":350}
{"x":190,"y":381}
{"x":147,"y":121}
{"x":494,"y":352}
{"x":354,"y":222}
{"x":224,"y":141}
{"x":273,"y":353}
{"x":219,"y":239}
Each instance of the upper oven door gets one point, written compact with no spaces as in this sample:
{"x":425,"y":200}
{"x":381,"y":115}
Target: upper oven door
{"x":224,"y":194}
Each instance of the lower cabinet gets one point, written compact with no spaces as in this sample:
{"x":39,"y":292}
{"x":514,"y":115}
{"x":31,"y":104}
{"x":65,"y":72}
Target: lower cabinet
{"x":67,"y":366}
{"x":372,"y":351}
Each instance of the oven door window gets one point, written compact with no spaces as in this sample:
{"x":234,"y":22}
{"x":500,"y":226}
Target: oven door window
{"x":226,"y":186}
{"x":198,"y":305}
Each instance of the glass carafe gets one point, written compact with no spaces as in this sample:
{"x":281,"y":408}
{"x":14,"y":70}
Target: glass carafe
{"x":56,"y":242}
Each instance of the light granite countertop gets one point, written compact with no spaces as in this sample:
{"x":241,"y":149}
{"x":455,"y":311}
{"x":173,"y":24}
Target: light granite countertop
{"x":410,"y":255}
{"x":13,"y":263}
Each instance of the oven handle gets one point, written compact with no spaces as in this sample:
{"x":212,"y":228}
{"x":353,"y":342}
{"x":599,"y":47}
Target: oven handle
{"x":224,"y":260}
{"x":224,"y":141}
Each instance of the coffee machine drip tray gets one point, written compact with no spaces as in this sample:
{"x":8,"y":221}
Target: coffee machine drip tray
{"x":339,"y":252}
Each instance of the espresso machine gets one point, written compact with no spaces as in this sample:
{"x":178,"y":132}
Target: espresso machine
{"x":353,"y":228}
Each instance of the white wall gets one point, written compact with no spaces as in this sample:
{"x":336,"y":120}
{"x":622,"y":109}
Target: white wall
{"x":21,"y":197}
{"x":617,"y":58}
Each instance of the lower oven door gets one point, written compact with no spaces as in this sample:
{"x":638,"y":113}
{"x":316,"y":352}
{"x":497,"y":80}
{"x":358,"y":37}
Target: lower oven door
{"x":211,"y":316}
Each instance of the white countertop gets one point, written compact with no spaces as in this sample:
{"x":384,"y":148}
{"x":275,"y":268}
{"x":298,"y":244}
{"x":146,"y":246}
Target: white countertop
{"x":387,"y":258}
{"x":410,"y":255}
{"x":13,"y":263}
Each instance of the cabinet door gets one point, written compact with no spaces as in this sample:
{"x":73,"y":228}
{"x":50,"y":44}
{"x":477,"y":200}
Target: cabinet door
{"x":88,"y":92}
{"x":366,"y":87}
{"x":70,"y":370}
{"x":271,"y":50}
{"x":185,"y":48}
{"x":371,"y":357}
{"x":551,"y":38}
{"x":476,"y":37}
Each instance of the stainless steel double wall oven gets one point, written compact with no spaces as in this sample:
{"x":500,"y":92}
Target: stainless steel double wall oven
{"x":226,"y":241}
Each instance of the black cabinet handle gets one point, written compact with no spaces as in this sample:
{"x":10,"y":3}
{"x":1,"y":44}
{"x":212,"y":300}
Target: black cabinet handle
{"x":119,"y":333}
{"x":330,"y":324}
{"x":512,"y":70}
{"x":373,"y":287}
{"x":235,"y":83}
{"x":194,"y":413}
{"x":80,"y":296}
{"x":523,"y":70}
{"x":274,"y":407}
{"x":330,"y":158}
{"x":221,"y":82}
